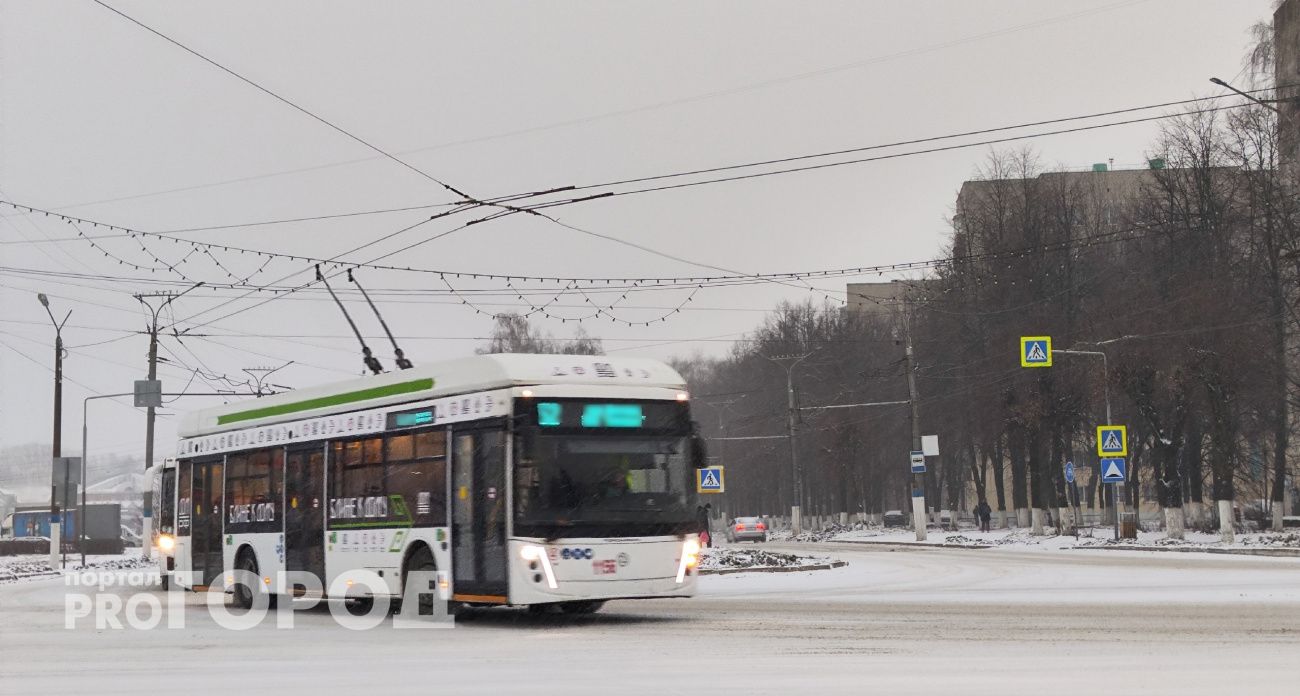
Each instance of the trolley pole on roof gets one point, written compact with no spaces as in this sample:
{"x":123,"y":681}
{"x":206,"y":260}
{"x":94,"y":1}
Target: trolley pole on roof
{"x":403,"y":363}
{"x":371,"y":362}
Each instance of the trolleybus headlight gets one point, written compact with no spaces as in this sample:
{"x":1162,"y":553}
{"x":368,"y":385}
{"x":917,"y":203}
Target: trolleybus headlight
{"x":690,"y":558}
{"x":166,"y":543}
{"x":537,"y":554}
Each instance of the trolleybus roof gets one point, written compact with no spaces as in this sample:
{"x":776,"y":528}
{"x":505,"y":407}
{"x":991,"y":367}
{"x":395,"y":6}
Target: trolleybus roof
{"x":459,"y":376}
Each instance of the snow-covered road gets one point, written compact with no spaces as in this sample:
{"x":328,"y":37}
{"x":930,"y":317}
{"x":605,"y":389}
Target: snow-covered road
{"x":921,"y":621}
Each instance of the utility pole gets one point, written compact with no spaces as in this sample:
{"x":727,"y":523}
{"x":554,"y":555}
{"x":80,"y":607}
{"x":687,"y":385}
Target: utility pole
{"x":166,"y":299}
{"x":153,"y":368}
{"x":792,"y":428}
{"x":56,"y":541}
{"x":722,"y":448}
{"x":918,"y":480}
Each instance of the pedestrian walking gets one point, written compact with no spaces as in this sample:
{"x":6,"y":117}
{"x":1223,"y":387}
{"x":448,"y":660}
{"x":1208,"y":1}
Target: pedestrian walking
{"x":985,"y":514}
{"x":702,"y":518}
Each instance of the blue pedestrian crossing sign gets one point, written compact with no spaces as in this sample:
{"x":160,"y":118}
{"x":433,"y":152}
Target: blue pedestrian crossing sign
{"x":1113,"y":470}
{"x":1069,"y":472}
{"x":1112,"y":441}
{"x":709,"y":480}
{"x":1035,"y":351}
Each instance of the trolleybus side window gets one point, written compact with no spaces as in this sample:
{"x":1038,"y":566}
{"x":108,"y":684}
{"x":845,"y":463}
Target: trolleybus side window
{"x":358,"y":468}
{"x":253,"y":490}
{"x":399,"y":479}
{"x":165,"y":507}
{"x":416,"y":470}
{"x":356,"y":492}
{"x":185,"y":501}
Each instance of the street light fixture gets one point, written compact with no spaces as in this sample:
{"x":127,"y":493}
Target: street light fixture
{"x":1261,"y":102}
{"x":1267,"y":104}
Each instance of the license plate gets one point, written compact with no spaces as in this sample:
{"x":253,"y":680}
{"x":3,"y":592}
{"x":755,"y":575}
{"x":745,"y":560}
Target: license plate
{"x":604,"y":567}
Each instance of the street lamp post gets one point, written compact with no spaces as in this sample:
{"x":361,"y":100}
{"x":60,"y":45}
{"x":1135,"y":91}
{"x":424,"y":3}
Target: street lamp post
{"x":55,"y":527}
{"x":58,"y":372}
{"x":792,"y":427}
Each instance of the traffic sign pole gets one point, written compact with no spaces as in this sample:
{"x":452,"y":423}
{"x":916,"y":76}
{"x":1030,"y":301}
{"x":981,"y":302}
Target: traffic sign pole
{"x":1117,"y":499}
{"x":1114,"y":470}
{"x":1072,"y":496}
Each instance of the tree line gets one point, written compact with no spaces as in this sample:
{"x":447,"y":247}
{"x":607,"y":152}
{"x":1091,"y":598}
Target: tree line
{"x":1184,"y":274}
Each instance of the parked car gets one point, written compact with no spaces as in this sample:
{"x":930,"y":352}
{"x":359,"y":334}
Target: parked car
{"x":747,"y":529}
{"x":895,"y":518}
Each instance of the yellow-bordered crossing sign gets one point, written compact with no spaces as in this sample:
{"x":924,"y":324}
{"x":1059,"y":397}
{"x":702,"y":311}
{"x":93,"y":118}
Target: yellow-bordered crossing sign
{"x":709,"y":480}
{"x":1035,"y":351}
{"x":1112,"y":441}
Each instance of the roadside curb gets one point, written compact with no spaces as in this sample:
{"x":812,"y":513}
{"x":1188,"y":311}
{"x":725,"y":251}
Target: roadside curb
{"x":1275,"y":552}
{"x":906,"y":544}
{"x":19,"y":577}
{"x":775,"y":569}
{"x":896,"y":545}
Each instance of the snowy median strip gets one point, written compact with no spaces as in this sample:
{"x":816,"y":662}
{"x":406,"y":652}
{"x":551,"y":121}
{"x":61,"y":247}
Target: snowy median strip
{"x":1248,"y":544}
{"x":724,"y":561}
{"x":21,"y":568}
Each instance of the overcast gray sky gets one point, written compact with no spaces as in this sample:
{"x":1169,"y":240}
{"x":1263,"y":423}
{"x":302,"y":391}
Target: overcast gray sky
{"x":101,"y":119}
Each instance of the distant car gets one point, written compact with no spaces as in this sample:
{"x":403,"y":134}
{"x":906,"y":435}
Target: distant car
{"x":895,"y":518}
{"x":747,"y":529}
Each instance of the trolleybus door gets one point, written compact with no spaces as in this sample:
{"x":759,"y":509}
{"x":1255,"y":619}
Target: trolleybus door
{"x":478,"y":515}
{"x":205,"y":553}
{"x":304,"y":511}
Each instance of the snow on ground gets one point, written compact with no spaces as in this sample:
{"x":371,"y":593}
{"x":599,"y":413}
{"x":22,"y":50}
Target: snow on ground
{"x":934,"y":576}
{"x":32,"y":566}
{"x":735,"y":558}
{"x":1022,"y":538}
{"x":895,"y":620}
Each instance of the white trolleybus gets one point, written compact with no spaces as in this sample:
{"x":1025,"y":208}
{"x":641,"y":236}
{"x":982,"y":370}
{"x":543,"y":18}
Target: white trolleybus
{"x":517,"y":479}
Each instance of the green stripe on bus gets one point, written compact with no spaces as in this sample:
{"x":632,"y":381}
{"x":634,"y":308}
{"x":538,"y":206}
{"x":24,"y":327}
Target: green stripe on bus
{"x":394,"y":524}
{"x":324,"y":401}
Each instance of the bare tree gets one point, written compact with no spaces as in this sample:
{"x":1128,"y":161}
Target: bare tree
{"x":512,"y":333}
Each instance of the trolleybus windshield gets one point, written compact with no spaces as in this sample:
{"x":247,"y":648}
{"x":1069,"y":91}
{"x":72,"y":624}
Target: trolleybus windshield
{"x":585,"y":468}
